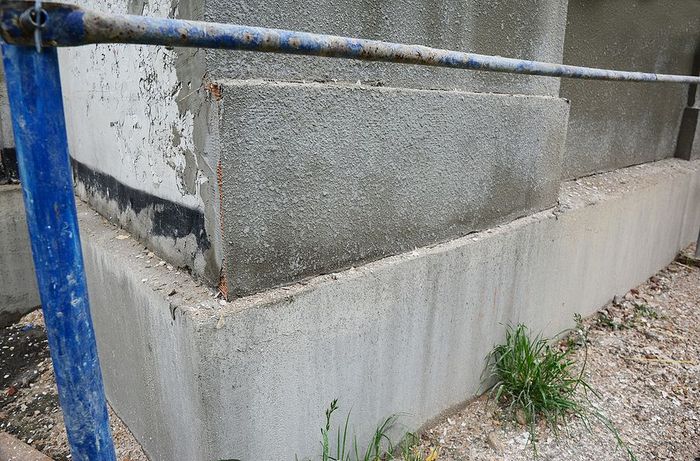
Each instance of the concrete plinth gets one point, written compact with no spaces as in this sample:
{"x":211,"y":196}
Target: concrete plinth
{"x":196,"y":378}
{"x":18,"y":290}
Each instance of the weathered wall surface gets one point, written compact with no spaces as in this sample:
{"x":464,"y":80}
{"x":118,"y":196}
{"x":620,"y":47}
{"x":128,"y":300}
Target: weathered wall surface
{"x":318,"y":177}
{"x":339,"y":162}
{"x":613,"y":125}
{"x":250,"y":379}
{"x":139,"y":123}
{"x":516,"y":28}
{"x":18,"y":290}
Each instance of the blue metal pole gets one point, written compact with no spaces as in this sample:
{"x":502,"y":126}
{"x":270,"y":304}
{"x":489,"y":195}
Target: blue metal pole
{"x":70,"y":25}
{"x":34,"y":89}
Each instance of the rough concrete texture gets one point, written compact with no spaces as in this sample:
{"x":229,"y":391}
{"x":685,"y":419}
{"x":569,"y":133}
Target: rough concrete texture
{"x":146,"y":116}
{"x":516,"y":28}
{"x":145,"y":341}
{"x":196,"y":379}
{"x":613,"y":125}
{"x":318,"y":177}
{"x":18,"y":291}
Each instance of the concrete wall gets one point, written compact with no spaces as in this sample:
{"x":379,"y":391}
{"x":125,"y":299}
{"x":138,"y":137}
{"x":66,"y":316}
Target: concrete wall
{"x":613,"y":125}
{"x":143,"y":121}
{"x":365,"y":162}
{"x":515,"y":28}
{"x":408,"y":334}
{"x":148,"y":126}
{"x":318,"y":177}
{"x":319,"y":172}
{"x":18,"y":290}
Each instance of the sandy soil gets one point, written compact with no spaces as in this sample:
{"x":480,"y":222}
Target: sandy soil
{"x":29,"y":401}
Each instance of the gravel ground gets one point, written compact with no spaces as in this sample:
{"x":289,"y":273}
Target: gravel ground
{"x":644,"y":359}
{"x":29,"y":407}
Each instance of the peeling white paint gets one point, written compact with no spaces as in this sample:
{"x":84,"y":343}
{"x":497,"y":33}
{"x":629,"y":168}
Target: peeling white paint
{"x":122,"y":114}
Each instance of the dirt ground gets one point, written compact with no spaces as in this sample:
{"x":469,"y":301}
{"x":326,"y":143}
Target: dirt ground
{"x":29,"y":407}
{"x":643,"y":358}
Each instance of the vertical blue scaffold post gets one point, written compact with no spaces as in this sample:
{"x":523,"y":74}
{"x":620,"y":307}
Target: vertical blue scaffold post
{"x":36,"y":104}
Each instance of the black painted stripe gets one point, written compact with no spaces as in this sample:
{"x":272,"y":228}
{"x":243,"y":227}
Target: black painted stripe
{"x":170,"y":219}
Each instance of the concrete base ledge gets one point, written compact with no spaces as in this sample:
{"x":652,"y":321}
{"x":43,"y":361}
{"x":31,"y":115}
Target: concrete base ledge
{"x":199,"y":379}
{"x":18,"y":291}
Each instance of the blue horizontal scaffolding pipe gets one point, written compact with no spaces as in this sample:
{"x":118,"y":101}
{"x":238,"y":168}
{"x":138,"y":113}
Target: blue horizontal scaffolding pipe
{"x":39,"y":127}
{"x":69,"y":25}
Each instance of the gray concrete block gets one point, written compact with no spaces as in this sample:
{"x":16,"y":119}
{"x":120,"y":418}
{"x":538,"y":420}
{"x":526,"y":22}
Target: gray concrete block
{"x":612,"y":125}
{"x":515,"y":28}
{"x":198,"y":380}
{"x":18,"y":290}
{"x":321,"y":177}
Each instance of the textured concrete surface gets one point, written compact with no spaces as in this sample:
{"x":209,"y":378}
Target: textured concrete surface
{"x":613,"y":125}
{"x":529,"y":29}
{"x":201,"y":379}
{"x":152,"y":111}
{"x":18,"y":291}
{"x":145,"y":342}
{"x":318,"y":177}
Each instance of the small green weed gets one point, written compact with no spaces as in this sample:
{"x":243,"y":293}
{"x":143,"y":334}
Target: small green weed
{"x":578,"y":337}
{"x":646,"y":311}
{"x":544,"y":382}
{"x":379,"y":447}
{"x":606,"y":321}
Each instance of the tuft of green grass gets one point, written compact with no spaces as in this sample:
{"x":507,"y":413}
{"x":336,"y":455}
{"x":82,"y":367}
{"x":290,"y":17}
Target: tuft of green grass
{"x":379,"y":448}
{"x":544,"y":382}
